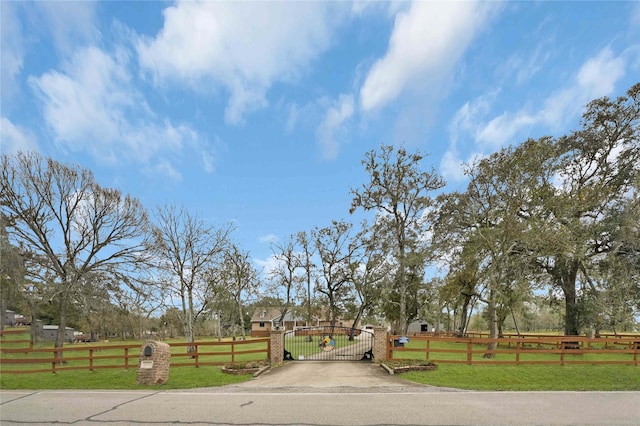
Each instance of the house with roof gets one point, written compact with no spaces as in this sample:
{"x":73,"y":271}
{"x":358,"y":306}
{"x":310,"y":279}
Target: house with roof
{"x":266,"y":319}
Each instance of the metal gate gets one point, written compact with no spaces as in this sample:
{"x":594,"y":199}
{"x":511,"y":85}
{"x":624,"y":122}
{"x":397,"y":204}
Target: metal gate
{"x":327,"y":343}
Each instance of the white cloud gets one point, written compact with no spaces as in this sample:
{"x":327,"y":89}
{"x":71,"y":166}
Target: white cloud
{"x":502,"y":129}
{"x":11,"y":48}
{"x":91,"y":105}
{"x":14,"y":138}
{"x":208,"y":161}
{"x":243,"y":47}
{"x":269,"y":238}
{"x":525,"y":65}
{"x":268,"y":265}
{"x":597,"y":77}
{"x":335,"y":117}
{"x":451,"y":166}
{"x":469,"y":117}
{"x":466,"y":121}
{"x":165,"y":168}
{"x":71,"y":24}
{"x":426,"y":42}
{"x":634,"y":16}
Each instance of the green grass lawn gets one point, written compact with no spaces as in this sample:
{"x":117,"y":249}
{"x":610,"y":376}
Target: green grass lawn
{"x":531,"y":377}
{"x":179,"y":378}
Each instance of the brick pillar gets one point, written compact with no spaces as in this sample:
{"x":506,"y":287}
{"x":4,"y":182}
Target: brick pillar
{"x":153,"y":368}
{"x":380,"y":344}
{"x":277,"y":347}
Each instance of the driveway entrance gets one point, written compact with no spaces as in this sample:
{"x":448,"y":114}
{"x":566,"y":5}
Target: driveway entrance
{"x":323,"y":374}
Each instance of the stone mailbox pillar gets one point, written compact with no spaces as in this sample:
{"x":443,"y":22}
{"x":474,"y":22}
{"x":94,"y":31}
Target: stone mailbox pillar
{"x":154,"y":362}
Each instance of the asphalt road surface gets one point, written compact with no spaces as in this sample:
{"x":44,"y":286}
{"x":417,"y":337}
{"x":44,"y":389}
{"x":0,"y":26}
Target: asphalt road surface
{"x":319,"y":393}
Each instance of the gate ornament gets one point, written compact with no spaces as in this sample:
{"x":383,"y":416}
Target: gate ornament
{"x":327,"y":344}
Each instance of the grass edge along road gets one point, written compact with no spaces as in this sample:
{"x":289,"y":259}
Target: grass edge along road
{"x":531,"y":377}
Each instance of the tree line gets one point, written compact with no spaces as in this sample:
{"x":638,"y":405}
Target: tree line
{"x":554,"y":216}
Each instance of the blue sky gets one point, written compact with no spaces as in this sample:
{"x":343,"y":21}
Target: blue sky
{"x":260,"y":113}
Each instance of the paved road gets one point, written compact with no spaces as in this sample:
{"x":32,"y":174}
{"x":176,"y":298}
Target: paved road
{"x":320,"y":394}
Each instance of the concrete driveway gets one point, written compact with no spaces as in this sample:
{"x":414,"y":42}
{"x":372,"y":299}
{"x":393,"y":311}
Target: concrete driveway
{"x":330,"y":376}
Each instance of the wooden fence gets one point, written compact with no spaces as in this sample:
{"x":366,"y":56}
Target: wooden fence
{"x":6,"y":337}
{"x":518,"y":349}
{"x":81,"y":357}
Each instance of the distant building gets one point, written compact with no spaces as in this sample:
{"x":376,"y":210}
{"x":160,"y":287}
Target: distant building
{"x":49,"y":332}
{"x":9,"y":318}
{"x":419,"y":326}
{"x":13,"y":319}
{"x":266,"y":319}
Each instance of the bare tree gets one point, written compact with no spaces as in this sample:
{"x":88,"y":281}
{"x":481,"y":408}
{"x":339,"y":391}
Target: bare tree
{"x":237,"y":278}
{"x":307,"y":252}
{"x":337,"y":251}
{"x":186,"y":249}
{"x":75,"y":227}
{"x":286,"y":275}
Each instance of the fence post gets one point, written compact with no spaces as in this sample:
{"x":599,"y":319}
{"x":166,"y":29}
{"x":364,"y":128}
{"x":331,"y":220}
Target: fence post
{"x":518,"y":346}
{"x":55,"y":361}
{"x":469,"y":351}
{"x":126,"y":358}
{"x":428,"y":345}
{"x":90,"y":359}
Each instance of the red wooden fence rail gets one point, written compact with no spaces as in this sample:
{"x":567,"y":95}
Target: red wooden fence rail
{"x":60,"y":358}
{"x":515,"y":347}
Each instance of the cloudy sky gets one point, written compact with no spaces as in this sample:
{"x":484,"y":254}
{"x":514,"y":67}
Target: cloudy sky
{"x":260,"y":112}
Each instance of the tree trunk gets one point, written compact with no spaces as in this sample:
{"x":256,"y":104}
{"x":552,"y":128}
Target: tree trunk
{"x":332,"y":313}
{"x":62,"y":305}
{"x":355,"y":322}
{"x":188,"y":322}
{"x":244,"y":333}
{"x":33,"y":328}
{"x":493,"y":323}
{"x":567,"y":280}
{"x":403,"y":294}
{"x":3,"y":307}
{"x":464,"y":316}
